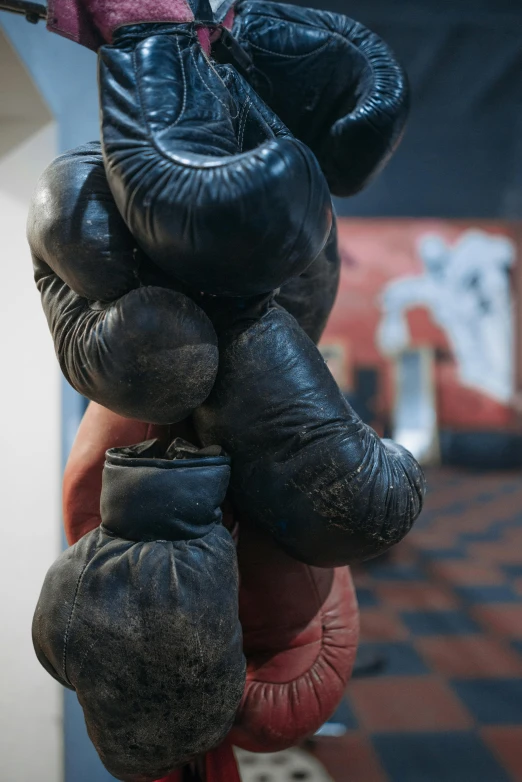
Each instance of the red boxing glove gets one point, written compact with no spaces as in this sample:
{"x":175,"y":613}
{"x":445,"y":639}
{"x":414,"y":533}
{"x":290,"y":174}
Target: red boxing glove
{"x":300,"y":630}
{"x":300,"y":623}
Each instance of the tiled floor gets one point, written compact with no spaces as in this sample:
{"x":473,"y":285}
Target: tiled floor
{"x":445,"y":610}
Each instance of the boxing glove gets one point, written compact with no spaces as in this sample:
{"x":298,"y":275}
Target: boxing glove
{"x":140,"y":617}
{"x":213,"y":186}
{"x":144,"y":351}
{"x":334,"y":83}
{"x":304,"y":466}
{"x":300,"y":624}
{"x":300,"y":631}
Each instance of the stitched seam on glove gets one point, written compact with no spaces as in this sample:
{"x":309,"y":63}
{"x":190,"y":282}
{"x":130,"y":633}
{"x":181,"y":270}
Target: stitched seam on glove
{"x":69,"y":621}
{"x":242,"y":123}
{"x":292,"y":56}
{"x":184,"y":77}
{"x":227,"y":109}
{"x":137,"y":81}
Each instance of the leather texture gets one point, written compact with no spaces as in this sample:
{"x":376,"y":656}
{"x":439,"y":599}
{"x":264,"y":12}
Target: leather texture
{"x":334,"y":83}
{"x":127,"y":616}
{"x":300,"y":624}
{"x":300,"y":632}
{"x":142,"y":350}
{"x":304,"y":466}
{"x":210,"y":182}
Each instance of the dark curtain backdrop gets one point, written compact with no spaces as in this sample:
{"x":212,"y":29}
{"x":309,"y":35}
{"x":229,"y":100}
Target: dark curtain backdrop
{"x":462,"y":152}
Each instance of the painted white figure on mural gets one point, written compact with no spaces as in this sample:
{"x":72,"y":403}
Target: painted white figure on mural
{"x":466,"y":289}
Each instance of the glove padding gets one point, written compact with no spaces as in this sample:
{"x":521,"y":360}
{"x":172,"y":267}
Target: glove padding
{"x":144,"y":351}
{"x":300,"y":631}
{"x":213,"y":186}
{"x":334,"y":83}
{"x":140,"y":617}
{"x":304,"y":465}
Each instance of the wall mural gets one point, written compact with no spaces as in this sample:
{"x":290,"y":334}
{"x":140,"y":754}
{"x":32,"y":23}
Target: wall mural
{"x":444,"y":286}
{"x":465,"y":286}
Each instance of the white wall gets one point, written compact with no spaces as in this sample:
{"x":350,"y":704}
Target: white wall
{"x":31,"y":728}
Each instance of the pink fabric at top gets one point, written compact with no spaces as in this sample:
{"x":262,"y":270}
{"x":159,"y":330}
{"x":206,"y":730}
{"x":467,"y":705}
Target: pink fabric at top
{"x":92,"y":22}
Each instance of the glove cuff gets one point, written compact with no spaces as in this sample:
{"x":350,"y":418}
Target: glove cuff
{"x":148,"y":497}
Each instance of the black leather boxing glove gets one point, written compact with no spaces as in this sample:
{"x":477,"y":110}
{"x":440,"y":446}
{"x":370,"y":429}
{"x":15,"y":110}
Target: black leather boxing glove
{"x":303,"y":463}
{"x":334,"y":83}
{"x":213,"y":186}
{"x":143,"y":351}
{"x":140,"y":617}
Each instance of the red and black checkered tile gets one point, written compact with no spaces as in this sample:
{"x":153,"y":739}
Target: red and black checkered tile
{"x":443,"y":613}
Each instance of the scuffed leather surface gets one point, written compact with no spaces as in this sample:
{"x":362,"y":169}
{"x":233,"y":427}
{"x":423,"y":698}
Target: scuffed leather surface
{"x":213,"y":186}
{"x":300,"y":631}
{"x":334,"y":83}
{"x":304,"y":466}
{"x":144,"y":351}
{"x":147,"y":632}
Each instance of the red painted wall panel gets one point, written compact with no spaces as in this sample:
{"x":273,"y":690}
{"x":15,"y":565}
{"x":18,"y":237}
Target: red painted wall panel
{"x":376,"y":252}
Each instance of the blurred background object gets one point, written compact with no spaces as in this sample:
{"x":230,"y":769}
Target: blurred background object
{"x":288,"y":766}
{"x":423,"y":338}
{"x":424,"y":341}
